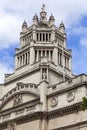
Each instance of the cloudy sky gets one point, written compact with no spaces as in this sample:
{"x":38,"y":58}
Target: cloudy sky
{"x":72,"y":12}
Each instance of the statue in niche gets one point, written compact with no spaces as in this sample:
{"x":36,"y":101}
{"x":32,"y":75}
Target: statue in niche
{"x":17,"y":100}
{"x":44,"y":73}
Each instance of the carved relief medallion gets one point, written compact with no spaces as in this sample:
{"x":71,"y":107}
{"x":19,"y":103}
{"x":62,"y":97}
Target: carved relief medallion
{"x":70,"y":96}
{"x":54,"y":101}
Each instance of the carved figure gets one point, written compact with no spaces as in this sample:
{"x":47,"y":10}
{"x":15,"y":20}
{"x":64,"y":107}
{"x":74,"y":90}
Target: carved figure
{"x":17,"y":100}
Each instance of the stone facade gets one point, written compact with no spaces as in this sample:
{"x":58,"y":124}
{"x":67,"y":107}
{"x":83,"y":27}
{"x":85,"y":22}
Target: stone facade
{"x":42,"y":93}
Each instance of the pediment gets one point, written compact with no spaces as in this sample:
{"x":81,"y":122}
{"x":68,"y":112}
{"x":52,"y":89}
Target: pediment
{"x":21,"y":94}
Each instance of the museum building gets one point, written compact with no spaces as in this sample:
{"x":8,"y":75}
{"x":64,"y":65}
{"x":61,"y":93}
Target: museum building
{"x":42,"y":93}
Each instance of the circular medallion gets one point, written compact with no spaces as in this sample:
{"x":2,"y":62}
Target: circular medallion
{"x":54,"y":101}
{"x":70,"y":96}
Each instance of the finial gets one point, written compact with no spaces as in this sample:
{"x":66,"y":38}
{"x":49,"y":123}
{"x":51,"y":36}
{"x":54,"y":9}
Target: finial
{"x":43,"y":7}
{"x":24,"y":23}
{"x":62,"y":24}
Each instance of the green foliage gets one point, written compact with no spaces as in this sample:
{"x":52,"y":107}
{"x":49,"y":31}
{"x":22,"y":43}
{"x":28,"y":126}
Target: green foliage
{"x":84,"y":103}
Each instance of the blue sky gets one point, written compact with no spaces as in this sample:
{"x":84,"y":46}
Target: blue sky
{"x":72,"y":12}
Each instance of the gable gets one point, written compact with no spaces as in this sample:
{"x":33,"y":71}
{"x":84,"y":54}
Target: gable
{"x":18,"y":96}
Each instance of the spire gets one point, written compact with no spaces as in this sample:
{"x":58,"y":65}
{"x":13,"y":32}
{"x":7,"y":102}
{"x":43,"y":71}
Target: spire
{"x":62,"y":27}
{"x":24,"y":26}
{"x":35,"y":19}
{"x":43,"y":13}
{"x":51,"y":19}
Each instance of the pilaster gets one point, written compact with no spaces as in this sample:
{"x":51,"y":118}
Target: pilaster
{"x":55,"y":55}
{"x":16,"y":62}
{"x":32,"y":53}
{"x":43,"y":93}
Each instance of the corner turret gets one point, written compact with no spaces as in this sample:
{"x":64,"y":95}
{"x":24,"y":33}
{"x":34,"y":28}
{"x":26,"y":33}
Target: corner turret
{"x":62,"y":27}
{"x":24,"y":26}
{"x":51,"y":20}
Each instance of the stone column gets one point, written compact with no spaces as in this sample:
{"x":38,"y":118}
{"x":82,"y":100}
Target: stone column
{"x":37,"y":58}
{"x":32,"y":53}
{"x":53,"y":33}
{"x":41,"y":53}
{"x":20,"y":60}
{"x":70,"y":63}
{"x":28,"y":57}
{"x":59,"y":58}
{"x":38,"y":36}
{"x":43,"y":93}
{"x":49,"y":55}
{"x":45,"y":53}
{"x":44,"y":36}
{"x":41,"y":36}
{"x":21,"y":42}
{"x":16,"y":62}
{"x":48,"y":36}
{"x":65,"y":40}
{"x":43,"y":125}
{"x":34,"y":32}
{"x":55,"y":55}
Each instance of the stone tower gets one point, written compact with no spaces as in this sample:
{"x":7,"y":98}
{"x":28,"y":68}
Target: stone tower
{"x":42,"y":93}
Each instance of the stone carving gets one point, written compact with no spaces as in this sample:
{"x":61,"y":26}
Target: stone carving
{"x":20,"y":84}
{"x":44,"y":76}
{"x":70,"y":96}
{"x":12,"y":127}
{"x":17,"y":100}
{"x":54,"y":102}
{"x":44,"y":73}
{"x":43,"y":7}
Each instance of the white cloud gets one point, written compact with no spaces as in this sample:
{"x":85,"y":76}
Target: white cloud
{"x":83,"y":42}
{"x":6,"y":64}
{"x":4,"y":68}
{"x":13,"y":12}
{"x":79,"y":60}
{"x":9,"y":31}
{"x":79,"y":30}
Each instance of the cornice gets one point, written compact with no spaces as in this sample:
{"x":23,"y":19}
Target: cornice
{"x":29,"y":71}
{"x":73,"y":87}
{"x":65,"y":111}
{"x":45,"y":115}
{"x":34,"y":68}
{"x":20,"y":106}
{"x":76,"y":125}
